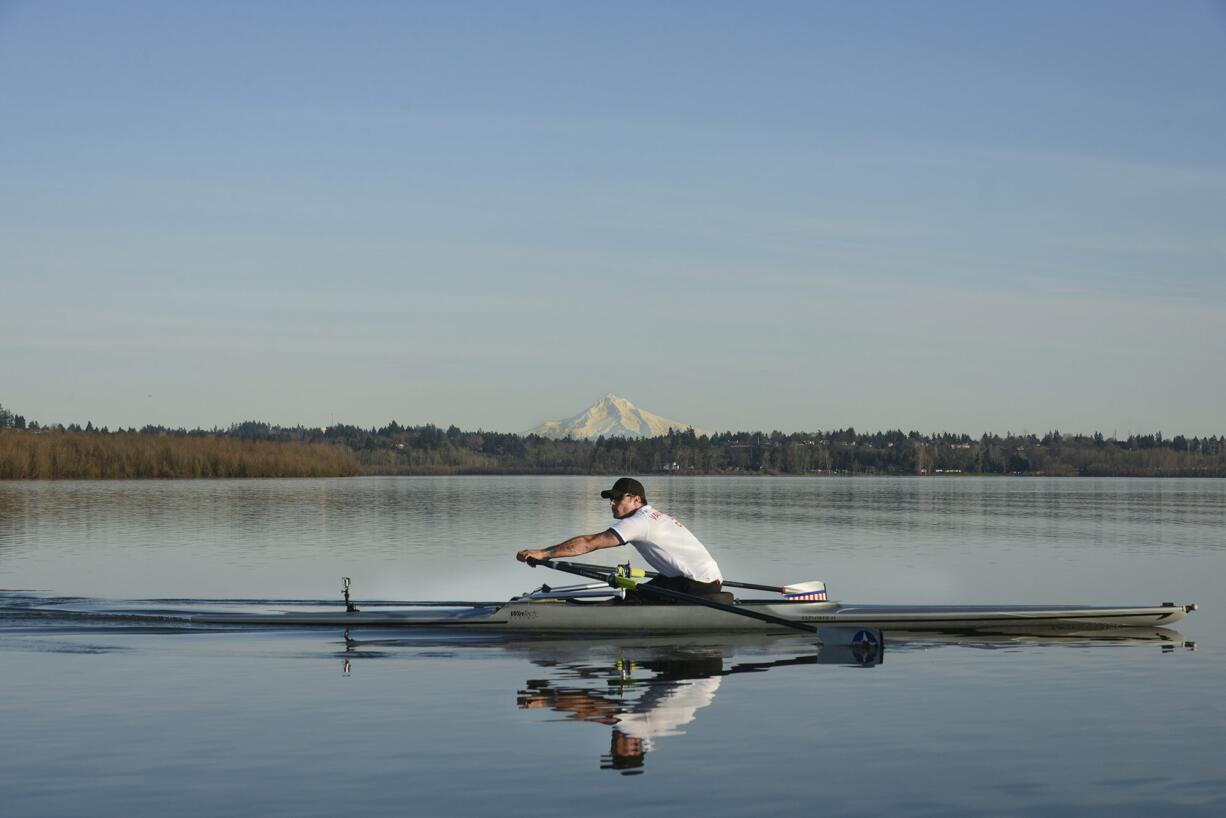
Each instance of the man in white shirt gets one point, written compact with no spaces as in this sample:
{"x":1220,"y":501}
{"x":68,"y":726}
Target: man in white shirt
{"x":684,"y":564}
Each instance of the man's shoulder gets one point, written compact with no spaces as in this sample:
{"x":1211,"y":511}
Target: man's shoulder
{"x":641,"y":516}
{"x":638,"y":514}
{"x":647,"y":514}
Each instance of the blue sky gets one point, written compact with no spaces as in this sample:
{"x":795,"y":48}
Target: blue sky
{"x":943,"y":216}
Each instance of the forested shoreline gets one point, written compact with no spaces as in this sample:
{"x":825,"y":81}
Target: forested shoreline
{"x":255,"y":449}
{"x":431,"y":450}
{"x":78,"y":455}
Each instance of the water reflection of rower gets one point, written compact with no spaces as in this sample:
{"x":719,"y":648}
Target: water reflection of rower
{"x":682,"y":684}
{"x":672,"y":700}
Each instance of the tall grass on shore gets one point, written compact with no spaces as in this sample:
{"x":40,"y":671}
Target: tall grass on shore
{"x":65,"y":455}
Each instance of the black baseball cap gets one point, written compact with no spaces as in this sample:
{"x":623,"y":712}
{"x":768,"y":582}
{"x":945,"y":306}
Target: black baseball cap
{"x":625,"y":485}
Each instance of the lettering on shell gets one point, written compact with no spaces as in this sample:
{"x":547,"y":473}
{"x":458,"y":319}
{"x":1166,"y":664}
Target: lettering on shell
{"x":523,"y":614}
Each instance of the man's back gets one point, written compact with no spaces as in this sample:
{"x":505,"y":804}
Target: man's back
{"x":666,"y":545}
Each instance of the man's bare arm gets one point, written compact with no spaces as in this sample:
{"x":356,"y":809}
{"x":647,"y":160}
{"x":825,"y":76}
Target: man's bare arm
{"x":573,"y":547}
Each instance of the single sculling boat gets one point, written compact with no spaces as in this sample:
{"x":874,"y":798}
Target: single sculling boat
{"x":599,"y":607}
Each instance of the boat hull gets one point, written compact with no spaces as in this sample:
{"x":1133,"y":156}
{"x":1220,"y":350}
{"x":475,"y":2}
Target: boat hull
{"x":560,"y":616}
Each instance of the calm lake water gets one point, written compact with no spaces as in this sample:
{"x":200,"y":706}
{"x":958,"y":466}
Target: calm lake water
{"x":106,"y":718}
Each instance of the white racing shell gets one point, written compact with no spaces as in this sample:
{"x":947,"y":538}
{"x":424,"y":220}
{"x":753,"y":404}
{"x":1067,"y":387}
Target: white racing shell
{"x":577,"y":616}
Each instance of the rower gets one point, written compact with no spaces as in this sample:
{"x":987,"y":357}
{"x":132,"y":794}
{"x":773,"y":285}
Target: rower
{"x":681,"y":560}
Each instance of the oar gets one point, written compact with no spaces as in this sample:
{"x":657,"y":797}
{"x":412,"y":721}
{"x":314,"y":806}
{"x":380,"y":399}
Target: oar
{"x":793,"y":588}
{"x":667,"y":593}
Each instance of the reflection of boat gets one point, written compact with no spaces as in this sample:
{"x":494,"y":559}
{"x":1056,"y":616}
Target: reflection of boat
{"x":557,"y":649}
{"x":648,"y":689}
{"x":1019,"y":636}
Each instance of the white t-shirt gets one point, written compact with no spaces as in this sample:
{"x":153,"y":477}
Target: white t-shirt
{"x":666,"y":545}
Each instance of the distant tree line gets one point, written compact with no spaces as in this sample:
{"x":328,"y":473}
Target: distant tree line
{"x":30,"y":452}
{"x":428,"y":449}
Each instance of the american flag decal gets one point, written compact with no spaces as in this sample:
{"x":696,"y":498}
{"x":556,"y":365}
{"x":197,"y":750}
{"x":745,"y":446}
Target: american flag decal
{"x":816,"y":596}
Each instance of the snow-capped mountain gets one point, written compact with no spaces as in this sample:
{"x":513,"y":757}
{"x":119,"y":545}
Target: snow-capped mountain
{"x":610,"y":416}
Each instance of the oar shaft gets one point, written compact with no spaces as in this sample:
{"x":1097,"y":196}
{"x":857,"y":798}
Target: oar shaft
{"x":727,"y":582}
{"x":667,"y":593}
